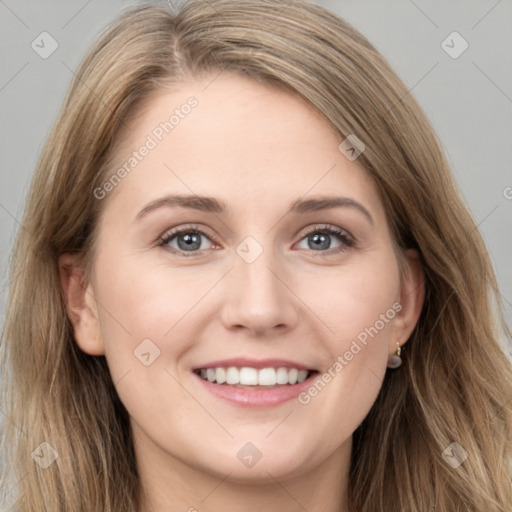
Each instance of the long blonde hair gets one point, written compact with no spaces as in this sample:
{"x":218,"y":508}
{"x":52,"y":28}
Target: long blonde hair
{"x":455,"y":384}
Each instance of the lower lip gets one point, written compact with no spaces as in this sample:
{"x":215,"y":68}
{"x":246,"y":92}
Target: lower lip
{"x":244,"y":397}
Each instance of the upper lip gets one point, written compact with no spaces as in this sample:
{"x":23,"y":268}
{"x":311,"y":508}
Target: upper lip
{"x":241,"y":362}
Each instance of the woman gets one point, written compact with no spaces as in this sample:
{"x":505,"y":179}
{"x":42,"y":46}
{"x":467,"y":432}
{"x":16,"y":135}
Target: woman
{"x":246,"y":278}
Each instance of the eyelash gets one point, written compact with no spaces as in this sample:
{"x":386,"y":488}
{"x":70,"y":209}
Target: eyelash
{"x":346,"y":239}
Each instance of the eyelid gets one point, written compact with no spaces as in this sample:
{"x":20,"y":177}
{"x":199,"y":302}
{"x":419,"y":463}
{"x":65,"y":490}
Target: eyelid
{"x":329,"y":228}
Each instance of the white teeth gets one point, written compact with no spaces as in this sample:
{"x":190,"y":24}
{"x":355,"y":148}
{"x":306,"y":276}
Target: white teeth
{"x":247,"y":376}
{"x":282,"y":376}
{"x":267,"y":377}
{"x":220,"y":375}
{"x":232,"y":375}
{"x":293,"y":375}
{"x":302,"y":375}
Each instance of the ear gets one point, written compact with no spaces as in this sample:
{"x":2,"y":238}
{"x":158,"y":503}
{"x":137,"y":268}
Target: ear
{"x":80,"y":305}
{"x":412,"y":296}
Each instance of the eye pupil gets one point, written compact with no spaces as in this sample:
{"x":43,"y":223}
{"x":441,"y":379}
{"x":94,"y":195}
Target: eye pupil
{"x":321,"y":240}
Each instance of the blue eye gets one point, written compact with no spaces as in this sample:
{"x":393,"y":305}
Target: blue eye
{"x":189,"y":240}
{"x":319,"y":239}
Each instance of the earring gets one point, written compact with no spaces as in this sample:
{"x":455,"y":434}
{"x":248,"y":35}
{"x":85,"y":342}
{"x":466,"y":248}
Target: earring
{"x":395,"y":361}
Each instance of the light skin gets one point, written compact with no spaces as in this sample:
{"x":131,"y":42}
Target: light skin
{"x":256,"y":149}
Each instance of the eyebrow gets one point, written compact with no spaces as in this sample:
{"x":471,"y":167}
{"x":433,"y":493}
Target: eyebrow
{"x":213,"y":205}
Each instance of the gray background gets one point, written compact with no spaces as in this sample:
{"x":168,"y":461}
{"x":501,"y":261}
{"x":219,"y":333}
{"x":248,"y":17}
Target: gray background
{"x":468,"y":99}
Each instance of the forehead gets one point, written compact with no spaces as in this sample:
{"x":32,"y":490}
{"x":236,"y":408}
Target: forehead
{"x":235,"y":138}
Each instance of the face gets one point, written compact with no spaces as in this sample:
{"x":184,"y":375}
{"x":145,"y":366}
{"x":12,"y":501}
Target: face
{"x":247,"y":332}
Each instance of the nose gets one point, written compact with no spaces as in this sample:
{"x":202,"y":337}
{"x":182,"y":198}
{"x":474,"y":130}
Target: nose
{"x":258,"y":297}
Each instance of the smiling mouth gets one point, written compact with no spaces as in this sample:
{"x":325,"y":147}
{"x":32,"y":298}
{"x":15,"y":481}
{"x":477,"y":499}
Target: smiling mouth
{"x":253,"y":378}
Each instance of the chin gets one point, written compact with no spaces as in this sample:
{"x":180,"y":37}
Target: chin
{"x":256,"y":462}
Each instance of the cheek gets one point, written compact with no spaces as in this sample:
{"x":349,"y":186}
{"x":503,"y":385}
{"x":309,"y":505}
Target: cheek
{"x":146,"y":317}
{"x":357,"y":302}
{"x":147,"y":301}
{"x":361,"y":309}
{"x":363,"y":316}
